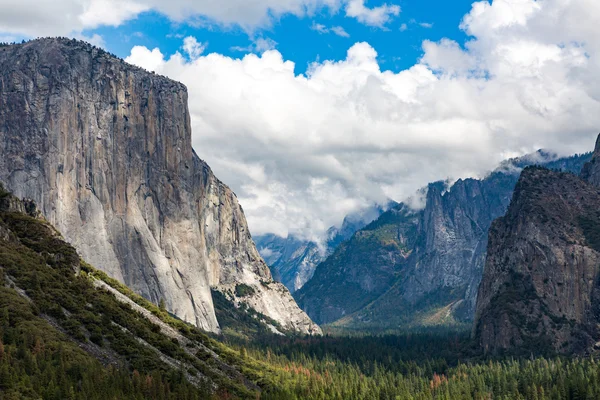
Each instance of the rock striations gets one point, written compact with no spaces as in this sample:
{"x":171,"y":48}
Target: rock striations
{"x":104,"y":149}
{"x":540,"y":290}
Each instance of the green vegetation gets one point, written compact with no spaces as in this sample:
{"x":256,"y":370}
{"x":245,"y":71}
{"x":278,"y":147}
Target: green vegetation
{"x":243,"y":290}
{"x":419,"y":365}
{"x":63,"y":338}
{"x":3,"y":192}
{"x":40,"y":361}
{"x":37,"y":261}
{"x":242,"y":323}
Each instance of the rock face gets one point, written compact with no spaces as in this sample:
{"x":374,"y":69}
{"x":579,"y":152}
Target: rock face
{"x":362,"y":268}
{"x":104,"y":149}
{"x":540,"y":290}
{"x":293,"y":261}
{"x":436,"y":272}
{"x":591,"y":170}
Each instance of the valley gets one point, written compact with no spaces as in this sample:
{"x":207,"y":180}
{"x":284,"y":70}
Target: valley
{"x":128,"y":269}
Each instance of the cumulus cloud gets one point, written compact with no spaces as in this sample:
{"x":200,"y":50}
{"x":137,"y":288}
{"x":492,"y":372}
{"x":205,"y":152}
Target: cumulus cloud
{"x":376,"y":16}
{"x":31,"y":18}
{"x":302,"y":151}
{"x":193,"y":48}
{"x":63,"y":17}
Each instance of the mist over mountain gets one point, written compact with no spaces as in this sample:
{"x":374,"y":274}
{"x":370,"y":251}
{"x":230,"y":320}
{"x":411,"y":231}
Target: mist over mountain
{"x":419,"y":267}
{"x":293,"y":261}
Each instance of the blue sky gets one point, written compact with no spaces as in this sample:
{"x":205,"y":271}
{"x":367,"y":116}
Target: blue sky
{"x":398,"y":43}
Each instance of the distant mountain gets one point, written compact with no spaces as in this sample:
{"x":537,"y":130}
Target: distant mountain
{"x":539,"y":292}
{"x":293,"y":261}
{"x":419,"y":267}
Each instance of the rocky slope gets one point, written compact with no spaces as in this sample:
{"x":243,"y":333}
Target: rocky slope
{"x":539,"y":291}
{"x":434,"y":279}
{"x":293,"y":261}
{"x":104,"y":149}
{"x":72,"y":312}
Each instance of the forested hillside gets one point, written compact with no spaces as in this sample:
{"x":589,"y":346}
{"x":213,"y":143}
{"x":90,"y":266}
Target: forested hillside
{"x":67,"y":331}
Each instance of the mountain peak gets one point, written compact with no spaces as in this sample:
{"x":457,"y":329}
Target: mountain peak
{"x":104,"y":149}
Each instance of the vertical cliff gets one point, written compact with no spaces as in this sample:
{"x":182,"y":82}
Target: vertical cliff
{"x":432,"y":277}
{"x":540,"y":289}
{"x":591,"y":170}
{"x":104,"y":149}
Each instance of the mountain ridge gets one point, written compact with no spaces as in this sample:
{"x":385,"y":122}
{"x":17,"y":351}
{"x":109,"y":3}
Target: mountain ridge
{"x":293,"y":261}
{"x":539,"y":290}
{"x":437,"y":283}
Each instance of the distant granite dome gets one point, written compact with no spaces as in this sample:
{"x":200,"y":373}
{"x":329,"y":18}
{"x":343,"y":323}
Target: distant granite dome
{"x":104,"y":149}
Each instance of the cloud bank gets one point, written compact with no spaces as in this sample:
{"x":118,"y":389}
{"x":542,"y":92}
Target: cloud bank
{"x":32,"y":18}
{"x":302,"y":151}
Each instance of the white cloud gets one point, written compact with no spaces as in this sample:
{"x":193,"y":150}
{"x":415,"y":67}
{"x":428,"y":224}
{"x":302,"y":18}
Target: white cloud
{"x":32,"y":18}
{"x":264,"y":44}
{"x":193,"y":48}
{"x":301,"y":151}
{"x":259,"y":45}
{"x":376,"y":16}
{"x":94,"y":39}
{"x":338,"y":30}
{"x":319,"y":28}
{"x":403,"y":27}
{"x":63,"y":17}
{"x":322,"y":29}
{"x":426,"y":25}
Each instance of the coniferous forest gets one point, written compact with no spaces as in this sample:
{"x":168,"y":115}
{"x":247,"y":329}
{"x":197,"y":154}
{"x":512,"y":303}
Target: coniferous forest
{"x":63,"y":338}
{"x":68,"y":330}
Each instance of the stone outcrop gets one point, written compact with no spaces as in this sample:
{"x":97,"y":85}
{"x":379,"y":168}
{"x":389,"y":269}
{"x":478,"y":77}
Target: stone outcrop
{"x":539,"y":291}
{"x":104,"y":149}
{"x":432,"y":278}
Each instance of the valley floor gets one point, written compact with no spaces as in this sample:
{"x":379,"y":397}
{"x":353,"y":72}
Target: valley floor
{"x":418,"y":365}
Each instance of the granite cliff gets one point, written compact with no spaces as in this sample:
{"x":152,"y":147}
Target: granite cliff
{"x":428,"y":263}
{"x":104,"y":149}
{"x":540,"y":289}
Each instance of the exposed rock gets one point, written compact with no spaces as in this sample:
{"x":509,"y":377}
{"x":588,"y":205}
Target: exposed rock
{"x":591,"y":170}
{"x":362,"y":268}
{"x":104,"y":149}
{"x":436,"y":272}
{"x":540,"y":289}
{"x":293,"y":261}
